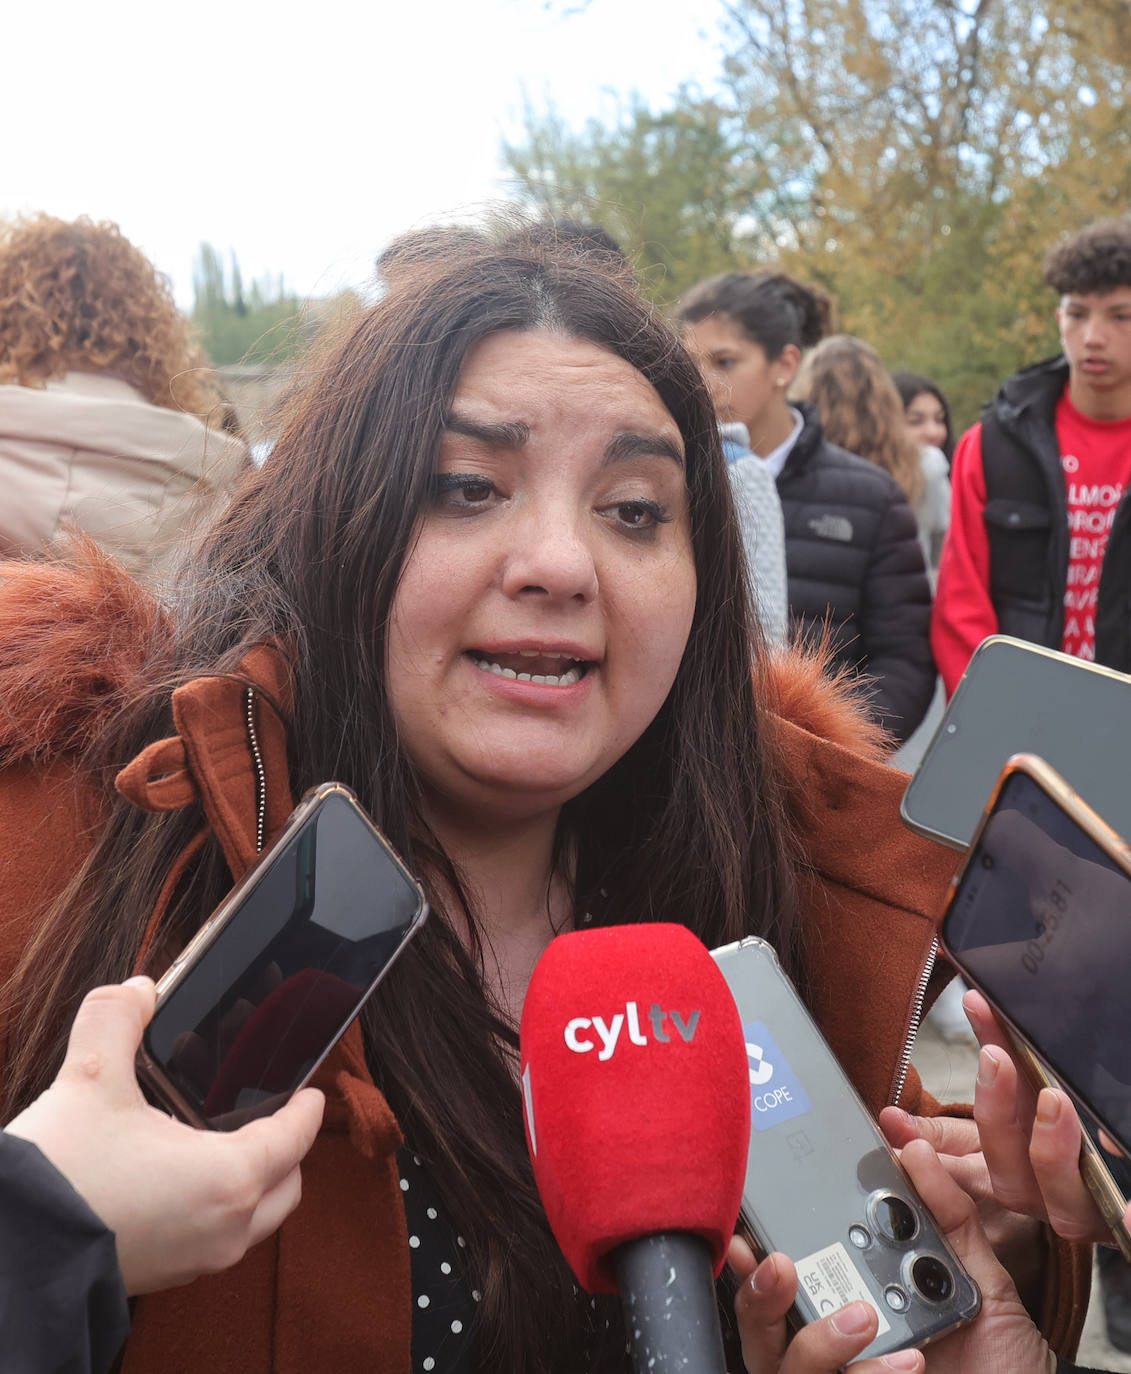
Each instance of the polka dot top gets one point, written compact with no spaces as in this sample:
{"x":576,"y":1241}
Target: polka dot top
{"x":443,"y":1313}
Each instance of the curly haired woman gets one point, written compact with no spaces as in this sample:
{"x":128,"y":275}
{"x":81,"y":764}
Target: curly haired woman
{"x":108,"y":419}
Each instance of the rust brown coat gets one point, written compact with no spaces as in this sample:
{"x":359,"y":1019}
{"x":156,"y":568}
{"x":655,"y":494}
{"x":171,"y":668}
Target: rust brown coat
{"x":331,"y":1291}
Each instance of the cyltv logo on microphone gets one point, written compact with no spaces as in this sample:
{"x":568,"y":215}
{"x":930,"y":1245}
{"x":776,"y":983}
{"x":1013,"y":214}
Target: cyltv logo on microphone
{"x":586,"y":1033}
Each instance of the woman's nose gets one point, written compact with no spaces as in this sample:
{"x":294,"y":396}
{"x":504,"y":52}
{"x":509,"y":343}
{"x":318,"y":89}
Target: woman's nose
{"x":551,"y":555}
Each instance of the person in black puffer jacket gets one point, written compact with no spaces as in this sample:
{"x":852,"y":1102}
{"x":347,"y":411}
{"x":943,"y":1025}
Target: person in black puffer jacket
{"x":853,"y":558}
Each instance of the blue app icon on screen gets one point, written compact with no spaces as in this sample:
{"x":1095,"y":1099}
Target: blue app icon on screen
{"x":776,"y":1094}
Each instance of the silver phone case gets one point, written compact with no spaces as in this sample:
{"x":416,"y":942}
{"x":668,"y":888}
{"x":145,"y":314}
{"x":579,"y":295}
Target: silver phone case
{"x":819,"y":1169}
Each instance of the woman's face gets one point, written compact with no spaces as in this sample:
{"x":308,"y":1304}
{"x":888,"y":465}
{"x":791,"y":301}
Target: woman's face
{"x":926,"y":419}
{"x":742,"y":380}
{"x":543,"y":610}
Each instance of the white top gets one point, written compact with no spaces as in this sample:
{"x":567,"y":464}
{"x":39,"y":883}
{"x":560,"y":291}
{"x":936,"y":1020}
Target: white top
{"x":775,"y":460}
{"x":760,"y":520}
{"x":933,"y":508}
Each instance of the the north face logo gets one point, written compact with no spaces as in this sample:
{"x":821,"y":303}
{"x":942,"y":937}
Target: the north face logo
{"x":832,"y":527}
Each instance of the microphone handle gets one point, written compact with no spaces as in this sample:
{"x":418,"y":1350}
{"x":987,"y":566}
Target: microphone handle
{"x":667,"y":1291}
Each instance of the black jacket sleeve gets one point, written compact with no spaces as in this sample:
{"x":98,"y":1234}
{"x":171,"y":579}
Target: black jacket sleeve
{"x":895,"y":621}
{"x":62,"y":1302}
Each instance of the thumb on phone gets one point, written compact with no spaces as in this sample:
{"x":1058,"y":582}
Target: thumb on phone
{"x":104,"y":1039}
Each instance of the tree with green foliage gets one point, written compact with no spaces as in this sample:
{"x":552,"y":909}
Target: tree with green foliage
{"x":914,"y":157}
{"x":670,"y":187}
{"x":258,"y":324}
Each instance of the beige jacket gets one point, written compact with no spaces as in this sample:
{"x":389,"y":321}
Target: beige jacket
{"x":89,"y":451}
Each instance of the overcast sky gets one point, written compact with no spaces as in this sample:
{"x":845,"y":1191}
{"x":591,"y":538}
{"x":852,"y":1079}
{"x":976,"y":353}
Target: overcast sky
{"x":304,"y":136}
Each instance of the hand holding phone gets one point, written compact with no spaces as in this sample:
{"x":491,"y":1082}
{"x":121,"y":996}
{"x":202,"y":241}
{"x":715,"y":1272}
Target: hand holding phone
{"x":1001,"y":1338}
{"x":1041,"y":1159}
{"x":822,"y":1184}
{"x":273,"y":979}
{"x":206,"y":1199}
{"x":1039,"y":921}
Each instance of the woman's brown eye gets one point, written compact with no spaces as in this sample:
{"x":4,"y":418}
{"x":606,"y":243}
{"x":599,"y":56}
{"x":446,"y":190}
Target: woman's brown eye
{"x":640,"y":517}
{"x":461,"y":489}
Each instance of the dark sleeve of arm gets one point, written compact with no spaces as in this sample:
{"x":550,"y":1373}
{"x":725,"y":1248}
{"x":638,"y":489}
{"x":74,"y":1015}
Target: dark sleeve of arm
{"x":895,"y":619}
{"x":62,"y":1303}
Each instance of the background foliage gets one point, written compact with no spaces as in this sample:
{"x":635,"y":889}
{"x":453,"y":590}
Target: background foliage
{"x":915,"y":157}
{"x":259,"y":323}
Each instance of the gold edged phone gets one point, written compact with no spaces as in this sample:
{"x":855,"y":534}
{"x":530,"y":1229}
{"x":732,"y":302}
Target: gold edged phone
{"x":273,"y":978}
{"x":1039,"y":920}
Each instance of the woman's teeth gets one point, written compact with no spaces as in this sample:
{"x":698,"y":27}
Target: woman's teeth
{"x":571,"y":675}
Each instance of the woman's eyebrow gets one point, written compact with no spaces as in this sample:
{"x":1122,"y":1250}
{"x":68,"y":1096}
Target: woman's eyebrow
{"x":631,"y":445}
{"x":495,"y":434}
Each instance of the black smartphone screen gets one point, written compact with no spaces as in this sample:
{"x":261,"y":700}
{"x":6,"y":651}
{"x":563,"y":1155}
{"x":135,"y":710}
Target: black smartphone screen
{"x":1042,"y":922}
{"x":288,"y":970}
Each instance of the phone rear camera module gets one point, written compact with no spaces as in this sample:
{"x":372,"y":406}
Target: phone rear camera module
{"x":896,"y":1298}
{"x":932,"y":1278}
{"x":895,"y":1219}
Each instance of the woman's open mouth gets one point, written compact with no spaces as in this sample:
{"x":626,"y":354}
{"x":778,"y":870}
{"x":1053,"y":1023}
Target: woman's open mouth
{"x":532,"y":665}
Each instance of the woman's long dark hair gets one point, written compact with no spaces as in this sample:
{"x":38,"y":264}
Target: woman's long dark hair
{"x":688,"y":826}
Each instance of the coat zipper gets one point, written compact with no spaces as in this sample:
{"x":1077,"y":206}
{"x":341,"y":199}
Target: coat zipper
{"x":260,"y":774}
{"x":916,"y":1017}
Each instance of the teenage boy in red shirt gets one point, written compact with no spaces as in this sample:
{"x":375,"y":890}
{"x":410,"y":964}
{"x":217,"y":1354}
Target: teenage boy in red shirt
{"x":1040,"y":533}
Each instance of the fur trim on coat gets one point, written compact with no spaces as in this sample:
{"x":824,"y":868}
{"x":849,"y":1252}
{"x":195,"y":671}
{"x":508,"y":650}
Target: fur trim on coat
{"x":74,"y":638}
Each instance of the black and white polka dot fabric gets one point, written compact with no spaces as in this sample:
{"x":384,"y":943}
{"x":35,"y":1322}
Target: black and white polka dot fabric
{"x":443,"y":1314}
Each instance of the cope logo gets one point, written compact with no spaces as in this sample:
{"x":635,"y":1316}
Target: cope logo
{"x":776,"y":1094}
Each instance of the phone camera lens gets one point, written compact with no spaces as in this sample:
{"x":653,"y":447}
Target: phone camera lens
{"x":895,"y":1220}
{"x":932,"y":1278}
{"x":896,"y":1298}
{"x":987,"y":861}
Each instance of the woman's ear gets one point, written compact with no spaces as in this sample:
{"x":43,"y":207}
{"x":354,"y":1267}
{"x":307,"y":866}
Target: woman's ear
{"x":785,"y":366}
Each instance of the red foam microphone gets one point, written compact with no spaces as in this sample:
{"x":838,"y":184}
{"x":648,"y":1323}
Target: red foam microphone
{"x":636,"y":1087}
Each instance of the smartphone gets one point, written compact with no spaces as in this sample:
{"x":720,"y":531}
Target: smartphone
{"x":1039,"y":920}
{"x":272,"y":980}
{"x":1017,"y":697}
{"x":822,"y":1184}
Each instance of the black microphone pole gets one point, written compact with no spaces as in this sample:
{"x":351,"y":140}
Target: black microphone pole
{"x":667,"y":1291}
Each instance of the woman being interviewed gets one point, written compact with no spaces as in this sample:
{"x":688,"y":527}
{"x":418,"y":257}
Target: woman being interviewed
{"x":507,"y":467}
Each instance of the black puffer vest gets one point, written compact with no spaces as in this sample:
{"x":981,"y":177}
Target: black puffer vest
{"x":1026,"y":517}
